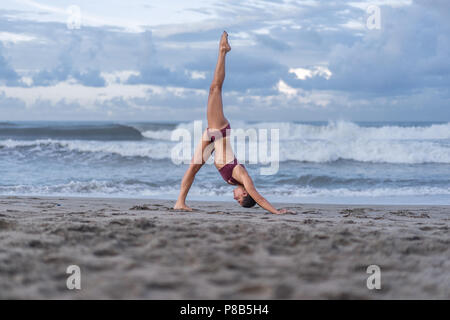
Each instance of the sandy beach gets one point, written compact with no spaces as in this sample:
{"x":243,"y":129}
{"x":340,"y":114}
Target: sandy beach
{"x":142,"y":249}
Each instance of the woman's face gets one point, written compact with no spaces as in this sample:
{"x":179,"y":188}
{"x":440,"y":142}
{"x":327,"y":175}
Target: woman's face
{"x":239,"y":193}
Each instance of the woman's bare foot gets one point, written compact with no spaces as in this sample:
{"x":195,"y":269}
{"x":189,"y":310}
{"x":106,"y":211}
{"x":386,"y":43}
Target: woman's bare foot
{"x":181,"y":207}
{"x":224,"y":45}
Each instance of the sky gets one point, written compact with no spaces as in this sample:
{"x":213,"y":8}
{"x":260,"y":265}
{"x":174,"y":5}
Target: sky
{"x":291,"y":60}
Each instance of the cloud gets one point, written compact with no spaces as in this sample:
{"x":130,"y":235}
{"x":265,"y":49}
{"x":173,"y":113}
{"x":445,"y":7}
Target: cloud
{"x":245,"y":72}
{"x":10,"y":105}
{"x":410,"y":52}
{"x":272,"y":43}
{"x":153,"y":71}
{"x":10,"y":37}
{"x":290,"y":60}
{"x":65,"y":67}
{"x":304,"y":73}
{"x":8,"y":75}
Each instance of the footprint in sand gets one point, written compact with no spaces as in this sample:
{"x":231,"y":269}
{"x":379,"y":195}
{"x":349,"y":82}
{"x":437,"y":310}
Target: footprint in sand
{"x":310,"y":212}
{"x":216,"y":212}
{"x":6,"y":225}
{"x":356,"y":213}
{"x":151,"y":207}
{"x":410,"y":214}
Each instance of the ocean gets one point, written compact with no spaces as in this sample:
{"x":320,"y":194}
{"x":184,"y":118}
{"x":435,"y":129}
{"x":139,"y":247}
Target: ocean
{"x":319,"y":162}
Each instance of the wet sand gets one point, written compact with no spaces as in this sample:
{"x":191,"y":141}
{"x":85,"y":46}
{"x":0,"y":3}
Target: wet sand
{"x":141,"y":249}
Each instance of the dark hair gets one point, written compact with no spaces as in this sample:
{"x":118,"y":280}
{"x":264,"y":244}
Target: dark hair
{"x":248,"y":202}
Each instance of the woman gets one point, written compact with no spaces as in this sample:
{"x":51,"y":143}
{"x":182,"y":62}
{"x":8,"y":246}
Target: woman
{"x":216,"y":138}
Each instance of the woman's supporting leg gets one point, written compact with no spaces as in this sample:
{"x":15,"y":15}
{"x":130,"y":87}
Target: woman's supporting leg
{"x":201,"y":155}
{"x":216,"y":118}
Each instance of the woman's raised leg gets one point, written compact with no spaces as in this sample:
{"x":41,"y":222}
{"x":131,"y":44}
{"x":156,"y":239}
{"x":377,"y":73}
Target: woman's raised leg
{"x":216,"y":118}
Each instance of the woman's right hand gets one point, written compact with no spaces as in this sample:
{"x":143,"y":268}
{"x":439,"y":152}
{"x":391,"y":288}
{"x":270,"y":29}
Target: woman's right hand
{"x":285,"y":211}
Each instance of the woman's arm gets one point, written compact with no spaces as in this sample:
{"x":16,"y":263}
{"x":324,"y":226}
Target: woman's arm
{"x":260,"y":200}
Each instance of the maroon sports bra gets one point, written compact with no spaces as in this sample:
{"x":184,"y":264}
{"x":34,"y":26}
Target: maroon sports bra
{"x":227,"y":172}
